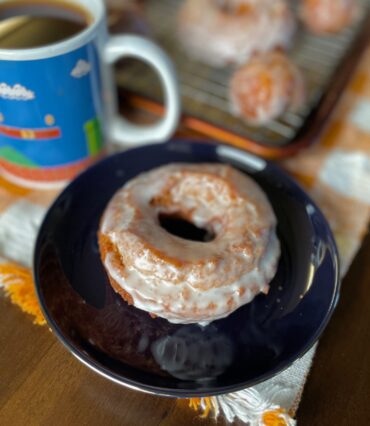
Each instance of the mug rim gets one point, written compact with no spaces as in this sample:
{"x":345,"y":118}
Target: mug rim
{"x":94,"y":7}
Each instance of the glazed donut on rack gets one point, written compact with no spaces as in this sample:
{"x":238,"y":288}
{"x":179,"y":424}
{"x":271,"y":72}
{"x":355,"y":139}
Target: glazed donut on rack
{"x":182,"y":280}
{"x":328,"y":16}
{"x":223,"y":32}
{"x":265,"y":87}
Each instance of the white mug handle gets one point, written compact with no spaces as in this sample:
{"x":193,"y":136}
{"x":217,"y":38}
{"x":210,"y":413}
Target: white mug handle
{"x":121,"y":130}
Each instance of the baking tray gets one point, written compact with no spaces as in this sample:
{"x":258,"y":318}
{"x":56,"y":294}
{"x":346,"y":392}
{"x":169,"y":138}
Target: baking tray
{"x":326,"y":61}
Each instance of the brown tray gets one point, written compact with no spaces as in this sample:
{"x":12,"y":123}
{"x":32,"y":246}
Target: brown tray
{"x":326,"y":61}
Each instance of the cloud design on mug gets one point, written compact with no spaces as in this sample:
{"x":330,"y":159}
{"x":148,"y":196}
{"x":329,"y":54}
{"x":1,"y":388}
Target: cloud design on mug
{"x":81,"y":69}
{"x":17,"y":92}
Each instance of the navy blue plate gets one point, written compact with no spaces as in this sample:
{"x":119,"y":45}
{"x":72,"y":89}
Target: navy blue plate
{"x":126,"y":345}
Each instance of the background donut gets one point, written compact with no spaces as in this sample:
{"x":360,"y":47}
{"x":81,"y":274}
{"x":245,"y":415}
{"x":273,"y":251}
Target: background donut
{"x":265,"y":87}
{"x":226,"y":32}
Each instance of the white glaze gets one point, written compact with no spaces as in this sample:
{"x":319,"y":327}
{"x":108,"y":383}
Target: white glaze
{"x":187,"y":281}
{"x":218,"y":38}
{"x":149,"y":296}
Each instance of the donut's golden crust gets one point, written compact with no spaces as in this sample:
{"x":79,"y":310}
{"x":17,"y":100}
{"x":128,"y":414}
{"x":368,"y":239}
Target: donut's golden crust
{"x":105,"y":247}
{"x":182,"y":280}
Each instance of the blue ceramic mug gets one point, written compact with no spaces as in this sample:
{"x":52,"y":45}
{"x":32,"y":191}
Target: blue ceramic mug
{"x":57,"y":100}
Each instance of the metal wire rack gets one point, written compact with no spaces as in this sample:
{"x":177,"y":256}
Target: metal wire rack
{"x":204,"y":89}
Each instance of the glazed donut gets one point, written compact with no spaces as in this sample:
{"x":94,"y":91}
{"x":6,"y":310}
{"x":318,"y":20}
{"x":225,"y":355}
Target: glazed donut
{"x":328,"y":16}
{"x":223,"y":32}
{"x":181,"y":280}
{"x":265,"y":87}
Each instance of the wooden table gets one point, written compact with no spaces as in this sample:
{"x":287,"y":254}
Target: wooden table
{"x":41,"y":383}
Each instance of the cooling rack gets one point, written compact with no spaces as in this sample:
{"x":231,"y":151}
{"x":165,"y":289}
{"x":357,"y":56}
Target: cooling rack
{"x":326,"y":61}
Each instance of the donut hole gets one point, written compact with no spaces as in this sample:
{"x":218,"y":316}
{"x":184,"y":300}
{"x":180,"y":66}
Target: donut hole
{"x":176,"y":225}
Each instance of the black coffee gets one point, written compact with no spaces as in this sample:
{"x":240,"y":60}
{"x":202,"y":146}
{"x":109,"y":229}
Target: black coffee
{"x":25,"y":24}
